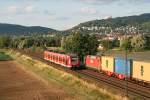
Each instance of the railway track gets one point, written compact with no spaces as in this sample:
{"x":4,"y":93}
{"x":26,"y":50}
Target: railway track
{"x":119,"y":84}
{"x":133,"y":89}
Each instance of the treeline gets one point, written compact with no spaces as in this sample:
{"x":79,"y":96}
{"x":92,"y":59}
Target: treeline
{"x":18,"y":30}
{"x":29,"y":41}
{"x":76,"y":43}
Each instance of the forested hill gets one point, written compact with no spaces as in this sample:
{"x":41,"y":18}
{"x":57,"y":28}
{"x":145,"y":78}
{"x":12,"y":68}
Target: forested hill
{"x":130,"y":24}
{"x":12,"y":29}
{"x":141,"y":21}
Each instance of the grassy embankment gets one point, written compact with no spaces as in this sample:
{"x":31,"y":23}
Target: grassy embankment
{"x":77,"y":88}
{"x":4,"y":57}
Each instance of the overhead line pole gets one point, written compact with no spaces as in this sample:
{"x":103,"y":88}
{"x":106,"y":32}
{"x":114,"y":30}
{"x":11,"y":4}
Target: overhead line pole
{"x":126,"y":66}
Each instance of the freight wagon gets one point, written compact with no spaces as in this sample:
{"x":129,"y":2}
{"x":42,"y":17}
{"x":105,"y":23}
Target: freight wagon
{"x":123,"y":68}
{"x":69,"y":61}
{"x":141,"y":71}
{"x":93,"y":62}
{"x":108,"y":65}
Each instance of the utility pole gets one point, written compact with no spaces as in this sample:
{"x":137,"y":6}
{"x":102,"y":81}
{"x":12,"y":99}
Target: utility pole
{"x":126,"y":67}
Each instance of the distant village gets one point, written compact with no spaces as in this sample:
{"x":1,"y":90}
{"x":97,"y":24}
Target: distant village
{"x":110,"y":34}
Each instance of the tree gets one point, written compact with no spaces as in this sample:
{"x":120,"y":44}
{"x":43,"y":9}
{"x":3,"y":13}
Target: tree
{"x":125,"y":44}
{"x":5,"y":41}
{"x":81,"y":44}
{"x":23,"y":44}
{"x":106,"y":44}
{"x":63,"y":40}
{"x":115,"y":43}
{"x":146,"y":26}
{"x":138,"y":43}
{"x":147,"y":42}
{"x":1,"y":42}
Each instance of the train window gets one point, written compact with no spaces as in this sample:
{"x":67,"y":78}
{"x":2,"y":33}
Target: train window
{"x":49,"y":56}
{"x":61,"y":59}
{"x":142,"y":70}
{"x":57,"y":58}
{"x":107,"y":63}
{"x":74,"y":60}
{"x":92,"y":57}
{"x":64,"y":60}
{"x":53,"y":57}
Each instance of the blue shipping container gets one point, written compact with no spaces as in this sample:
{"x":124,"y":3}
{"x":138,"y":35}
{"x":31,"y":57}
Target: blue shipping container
{"x":120,"y":66}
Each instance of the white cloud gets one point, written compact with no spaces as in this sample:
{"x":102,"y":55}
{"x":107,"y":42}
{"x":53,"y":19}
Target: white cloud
{"x":90,"y":1}
{"x":19,"y":10}
{"x":29,"y":9}
{"x":98,"y":1}
{"x":86,"y":10}
{"x":12,"y":9}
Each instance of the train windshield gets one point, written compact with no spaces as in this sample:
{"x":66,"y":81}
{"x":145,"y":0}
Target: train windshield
{"x":74,"y":60}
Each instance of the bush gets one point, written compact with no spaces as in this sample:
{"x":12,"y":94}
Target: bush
{"x":138,"y":43}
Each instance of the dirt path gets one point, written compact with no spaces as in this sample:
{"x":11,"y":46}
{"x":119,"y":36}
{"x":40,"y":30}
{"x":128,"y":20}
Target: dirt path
{"x":17,"y":84}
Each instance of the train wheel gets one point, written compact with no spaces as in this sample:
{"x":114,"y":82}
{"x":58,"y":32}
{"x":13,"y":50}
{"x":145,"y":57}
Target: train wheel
{"x":109,"y":74}
{"x":121,"y":76}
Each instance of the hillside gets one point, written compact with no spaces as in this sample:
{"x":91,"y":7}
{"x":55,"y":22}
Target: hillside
{"x":12,"y":29}
{"x":132,"y":23}
{"x":128,"y":24}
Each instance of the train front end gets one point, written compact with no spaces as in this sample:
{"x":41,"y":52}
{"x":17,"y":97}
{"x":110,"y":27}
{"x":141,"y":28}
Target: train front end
{"x":75,"y":62}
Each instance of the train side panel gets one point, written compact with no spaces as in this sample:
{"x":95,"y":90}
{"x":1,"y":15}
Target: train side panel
{"x":93,"y":62}
{"x":108,"y":65}
{"x":62,"y":59}
{"x":45,"y":55}
{"x":121,"y":68}
{"x":141,"y":70}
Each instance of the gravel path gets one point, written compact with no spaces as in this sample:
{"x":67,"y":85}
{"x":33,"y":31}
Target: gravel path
{"x":17,"y":84}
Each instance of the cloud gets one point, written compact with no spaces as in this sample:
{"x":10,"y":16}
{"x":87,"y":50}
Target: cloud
{"x":90,"y":1}
{"x":29,"y":9}
{"x":98,"y":1}
{"x":48,"y":12}
{"x":104,"y":2}
{"x":63,"y":18}
{"x":58,"y":18}
{"x":89,"y":11}
{"x":12,"y":9}
{"x":21,"y":9}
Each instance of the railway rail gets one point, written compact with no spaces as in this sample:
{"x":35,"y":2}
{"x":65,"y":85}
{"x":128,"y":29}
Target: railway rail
{"x":133,"y":89}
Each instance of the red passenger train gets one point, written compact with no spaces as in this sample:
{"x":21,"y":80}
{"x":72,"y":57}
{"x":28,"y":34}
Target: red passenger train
{"x":69,"y":61}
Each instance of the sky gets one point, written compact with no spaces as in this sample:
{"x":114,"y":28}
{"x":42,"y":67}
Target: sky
{"x":64,"y":14}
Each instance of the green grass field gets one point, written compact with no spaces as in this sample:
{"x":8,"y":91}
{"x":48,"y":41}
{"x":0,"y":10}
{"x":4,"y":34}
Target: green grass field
{"x":4,"y":57}
{"x":77,"y":88}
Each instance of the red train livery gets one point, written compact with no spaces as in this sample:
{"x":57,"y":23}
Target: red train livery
{"x":93,"y":62}
{"x":69,"y":61}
